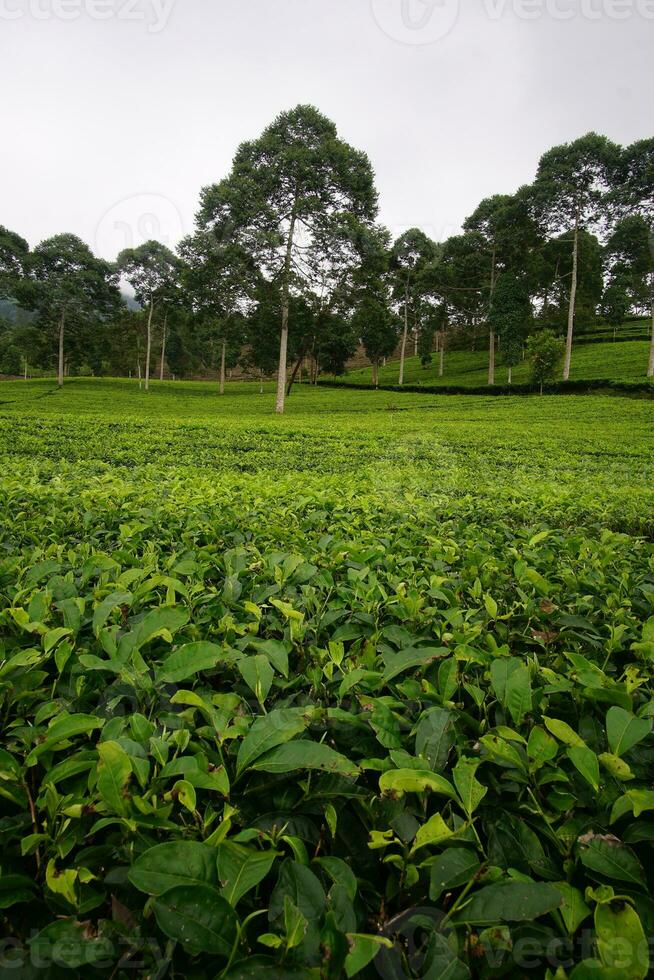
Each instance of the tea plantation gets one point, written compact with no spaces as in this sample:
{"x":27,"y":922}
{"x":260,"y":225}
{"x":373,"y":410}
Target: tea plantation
{"x":365,"y":690}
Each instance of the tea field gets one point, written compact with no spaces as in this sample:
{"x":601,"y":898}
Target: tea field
{"x":365,"y":690}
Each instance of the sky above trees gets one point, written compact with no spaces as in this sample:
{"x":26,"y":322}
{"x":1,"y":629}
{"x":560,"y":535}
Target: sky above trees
{"x":114,"y":123}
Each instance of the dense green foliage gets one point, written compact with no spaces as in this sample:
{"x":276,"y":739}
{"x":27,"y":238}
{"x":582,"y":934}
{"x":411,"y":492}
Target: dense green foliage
{"x":307,"y":696}
{"x":288,"y":269}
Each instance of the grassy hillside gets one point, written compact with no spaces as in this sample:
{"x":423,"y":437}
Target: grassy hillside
{"x":623,"y":361}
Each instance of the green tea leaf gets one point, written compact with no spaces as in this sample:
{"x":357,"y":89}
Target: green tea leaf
{"x":175,"y":863}
{"x":624,"y":730}
{"x":199,"y":918}
{"x":303,"y":754}
{"x":240,"y":869}
{"x":188,"y":661}
{"x":510,"y":901}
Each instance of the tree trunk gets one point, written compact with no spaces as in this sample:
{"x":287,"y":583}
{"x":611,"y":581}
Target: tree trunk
{"x":25,"y":359}
{"x":441,"y":362}
{"x":491,"y":358}
{"x":375,"y":374}
{"x":415,"y":346}
{"x":223,"y":355}
{"x":163,"y":349}
{"x":148,"y":346}
{"x":510,"y":374}
{"x":283,"y":342}
{"x":650,"y":370}
{"x":294,"y":374}
{"x":404,"y":337}
{"x":60,"y":366}
{"x":491,"y":343}
{"x":573,"y":301}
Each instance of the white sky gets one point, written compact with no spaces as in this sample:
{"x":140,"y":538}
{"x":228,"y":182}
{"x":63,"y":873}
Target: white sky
{"x":111,"y":126}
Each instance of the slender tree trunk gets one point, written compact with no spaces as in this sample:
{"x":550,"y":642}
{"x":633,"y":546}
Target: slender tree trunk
{"x":441,"y":362}
{"x":25,"y":359}
{"x":650,"y":370}
{"x":148,"y":346}
{"x":404,"y":336}
{"x":375,"y":374}
{"x":294,"y":374}
{"x":510,"y":374}
{"x":415,"y":346}
{"x":60,"y":365}
{"x":283,"y":343}
{"x":573,"y":301}
{"x":223,"y":355}
{"x":163,"y":349}
{"x":491,"y":342}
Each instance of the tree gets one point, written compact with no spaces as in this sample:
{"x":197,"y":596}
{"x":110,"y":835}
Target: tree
{"x":458,"y":279}
{"x":571,"y":192}
{"x":636,"y":194}
{"x":410,"y":254}
{"x":285,"y":202}
{"x":14,"y":264}
{"x":615,"y":304}
{"x":509,"y":233}
{"x":373,"y":324}
{"x":545,"y":351}
{"x":220,"y":281}
{"x":71,"y":288}
{"x":555,"y":282}
{"x":511,"y":316}
{"x":631,"y":252}
{"x":151,"y":270}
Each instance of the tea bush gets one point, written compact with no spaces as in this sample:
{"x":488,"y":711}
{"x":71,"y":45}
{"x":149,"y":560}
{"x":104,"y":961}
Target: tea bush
{"x":361,"y":691}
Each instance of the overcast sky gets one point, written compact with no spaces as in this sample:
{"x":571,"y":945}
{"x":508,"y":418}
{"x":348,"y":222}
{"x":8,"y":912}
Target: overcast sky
{"x":114,"y":113}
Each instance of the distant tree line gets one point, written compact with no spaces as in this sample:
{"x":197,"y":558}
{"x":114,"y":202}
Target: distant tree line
{"x":289,"y":269}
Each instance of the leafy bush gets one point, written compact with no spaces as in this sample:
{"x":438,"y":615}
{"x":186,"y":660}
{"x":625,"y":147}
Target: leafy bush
{"x":346,"y":713}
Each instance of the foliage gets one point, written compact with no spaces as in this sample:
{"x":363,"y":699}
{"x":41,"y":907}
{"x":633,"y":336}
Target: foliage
{"x":297,"y":203}
{"x":510,"y":316}
{"x":285,"y":697}
{"x":545,"y":351}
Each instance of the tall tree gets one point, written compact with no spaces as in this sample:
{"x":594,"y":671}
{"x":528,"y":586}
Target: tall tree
{"x":630,"y":252}
{"x":71,"y":288}
{"x":151,"y":270}
{"x":410,"y":254}
{"x":286,"y":199}
{"x":511,"y":316}
{"x":506,"y":226}
{"x":636,"y":192}
{"x":220,"y":281}
{"x":571,"y":194}
{"x":374,"y":325}
{"x":458,"y":282}
{"x":14,"y":264}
